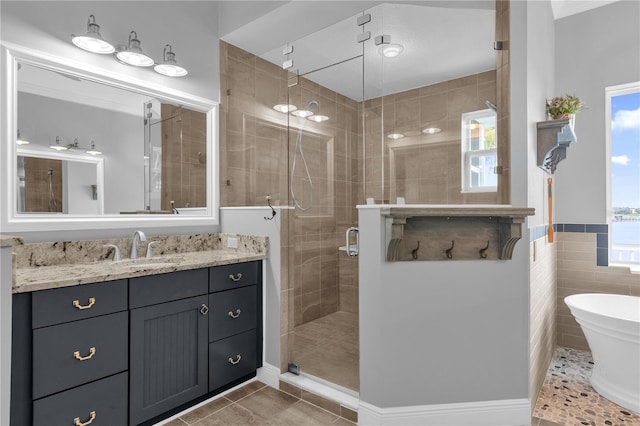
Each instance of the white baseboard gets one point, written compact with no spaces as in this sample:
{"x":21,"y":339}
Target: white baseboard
{"x":269,"y":374}
{"x":508,"y":412}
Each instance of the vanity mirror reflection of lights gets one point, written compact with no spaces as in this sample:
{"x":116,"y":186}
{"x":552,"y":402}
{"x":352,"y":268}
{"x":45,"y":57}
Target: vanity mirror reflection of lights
{"x":126,"y":154}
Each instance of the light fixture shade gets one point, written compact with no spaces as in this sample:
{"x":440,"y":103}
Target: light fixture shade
{"x":395,"y":136}
{"x":57,"y":145}
{"x":169,"y":66}
{"x":133,"y":54}
{"x":21,"y":141}
{"x":285,"y":108}
{"x":431,"y":130}
{"x":391,"y":50}
{"x":92,"y":41}
{"x":93,"y":150}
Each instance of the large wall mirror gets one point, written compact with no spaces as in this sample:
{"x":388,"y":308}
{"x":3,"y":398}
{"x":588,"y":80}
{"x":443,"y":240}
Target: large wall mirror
{"x":85,"y":150}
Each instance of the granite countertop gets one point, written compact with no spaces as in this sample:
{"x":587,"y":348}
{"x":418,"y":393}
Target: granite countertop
{"x":9,"y":240}
{"x":65,"y":275}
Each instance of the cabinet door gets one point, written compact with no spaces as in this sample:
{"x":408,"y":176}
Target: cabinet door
{"x":232,"y":312}
{"x":100,"y":403}
{"x":232,"y":358}
{"x":78,"y":352}
{"x":168,"y":360}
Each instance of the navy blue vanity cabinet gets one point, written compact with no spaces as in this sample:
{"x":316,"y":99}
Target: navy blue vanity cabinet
{"x":78,"y":354}
{"x":235,"y":322}
{"x":168,"y":342}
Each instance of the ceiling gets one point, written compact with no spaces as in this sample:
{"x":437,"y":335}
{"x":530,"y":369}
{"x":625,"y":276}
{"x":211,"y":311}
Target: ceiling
{"x":441,"y":40}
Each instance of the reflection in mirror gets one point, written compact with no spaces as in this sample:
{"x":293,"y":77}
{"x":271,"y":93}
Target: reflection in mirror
{"x":154,"y":150}
{"x":59,"y":182}
{"x":175,"y":158}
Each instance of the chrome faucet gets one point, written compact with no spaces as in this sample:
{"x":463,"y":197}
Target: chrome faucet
{"x":137,"y":236}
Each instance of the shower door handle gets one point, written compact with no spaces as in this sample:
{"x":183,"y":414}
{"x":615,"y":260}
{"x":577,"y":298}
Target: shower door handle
{"x":352,"y":250}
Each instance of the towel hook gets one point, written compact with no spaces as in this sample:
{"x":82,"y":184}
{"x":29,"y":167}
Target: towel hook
{"x":449,"y":251}
{"x":414,"y":252}
{"x":273,"y":211}
{"x":483,"y":251}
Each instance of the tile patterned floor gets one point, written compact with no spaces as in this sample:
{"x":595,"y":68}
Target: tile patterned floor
{"x":328,"y":348}
{"x":258,"y":404}
{"x":567,"y":398}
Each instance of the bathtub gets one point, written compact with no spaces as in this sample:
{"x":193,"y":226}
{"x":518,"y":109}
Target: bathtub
{"x":611,"y":324}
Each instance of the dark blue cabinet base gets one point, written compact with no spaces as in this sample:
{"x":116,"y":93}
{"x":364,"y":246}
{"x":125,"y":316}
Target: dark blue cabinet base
{"x":154,"y":324}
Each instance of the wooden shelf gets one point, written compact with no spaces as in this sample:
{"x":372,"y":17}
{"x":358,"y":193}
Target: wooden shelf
{"x":426,"y":232}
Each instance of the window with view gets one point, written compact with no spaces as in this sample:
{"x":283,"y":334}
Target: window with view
{"x":479,"y":151}
{"x":623,"y":133}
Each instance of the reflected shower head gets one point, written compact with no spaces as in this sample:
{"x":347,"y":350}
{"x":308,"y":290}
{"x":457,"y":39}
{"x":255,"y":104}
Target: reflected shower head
{"x":313,"y":105}
{"x":50,"y":172}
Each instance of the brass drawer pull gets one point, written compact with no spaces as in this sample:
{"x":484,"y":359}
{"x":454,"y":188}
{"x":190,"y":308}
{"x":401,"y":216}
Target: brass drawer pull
{"x":236,"y":315}
{"x":92,"y":417}
{"x":92,"y":301}
{"x":92,"y":352}
{"x":234,"y":362}
{"x":235,"y":278}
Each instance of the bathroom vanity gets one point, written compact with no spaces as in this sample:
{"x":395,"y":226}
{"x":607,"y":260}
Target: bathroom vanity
{"x":143,"y":340}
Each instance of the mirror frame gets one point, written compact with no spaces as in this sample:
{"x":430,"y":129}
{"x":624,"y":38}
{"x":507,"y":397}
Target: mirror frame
{"x":26,"y":151}
{"x":12,"y":222}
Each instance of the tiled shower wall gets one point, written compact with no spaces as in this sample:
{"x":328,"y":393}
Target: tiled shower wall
{"x":184,"y":165}
{"x":256,"y":156}
{"x":426,"y":168}
{"x":578,"y":272}
{"x":36,"y":182}
{"x":542,"y":319}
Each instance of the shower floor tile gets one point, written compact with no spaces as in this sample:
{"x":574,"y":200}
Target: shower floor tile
{"x":567,"y":398}
{"x":328,"y":348}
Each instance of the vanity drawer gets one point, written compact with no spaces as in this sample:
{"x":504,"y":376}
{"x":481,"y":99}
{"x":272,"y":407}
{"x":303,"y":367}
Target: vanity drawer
{"x":66,"y":304}
{"x":232,"y":312}
{"x":232,"y":358}
{"x":227,"y":277}
{"x":105,"y":401}
{"x":160,"y":288}
{"x":78,"y":352}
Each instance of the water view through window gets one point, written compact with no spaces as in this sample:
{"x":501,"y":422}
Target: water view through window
{"x":625,"y":177}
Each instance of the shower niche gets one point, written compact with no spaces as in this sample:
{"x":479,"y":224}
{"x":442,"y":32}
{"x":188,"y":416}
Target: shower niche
{"x":468,"y":232}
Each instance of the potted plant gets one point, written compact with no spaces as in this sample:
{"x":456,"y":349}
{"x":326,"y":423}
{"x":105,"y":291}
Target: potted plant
{"x":563,"y":107}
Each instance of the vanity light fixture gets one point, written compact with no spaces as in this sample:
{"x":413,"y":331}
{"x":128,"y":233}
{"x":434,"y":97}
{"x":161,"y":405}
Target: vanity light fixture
{"x":390,"y":50}
{"x":21,"y":141}
{"x":395,"y":136}
{"x":93,"y":150}
{"x":318,"y":118}
{"x":92,"y":41}
{"x":57,"y":146}
{"x":285,"y":108}
{"x":431,"y":130}
{"x":169,"y":66}
{"x":133,"y":54}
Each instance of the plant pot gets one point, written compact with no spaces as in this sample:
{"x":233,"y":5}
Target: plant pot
{"x":570,"y":117}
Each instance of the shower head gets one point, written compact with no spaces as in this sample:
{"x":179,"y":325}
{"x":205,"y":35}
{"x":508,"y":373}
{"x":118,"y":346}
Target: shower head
{"x":491,"y":105}
{"x":50,"y":172}
{"x":313,"y":105}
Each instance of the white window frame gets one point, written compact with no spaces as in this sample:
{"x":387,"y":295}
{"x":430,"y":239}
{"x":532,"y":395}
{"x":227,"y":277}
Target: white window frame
{"x":467,"y":153}
{"x":610,"y":92}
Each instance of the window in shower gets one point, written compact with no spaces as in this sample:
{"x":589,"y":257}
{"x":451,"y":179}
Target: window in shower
{"x":479,"y":151}
{"x":623,"y":134}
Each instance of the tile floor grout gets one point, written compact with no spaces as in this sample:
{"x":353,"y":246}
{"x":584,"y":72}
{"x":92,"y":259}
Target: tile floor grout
{"x":567,"y":398}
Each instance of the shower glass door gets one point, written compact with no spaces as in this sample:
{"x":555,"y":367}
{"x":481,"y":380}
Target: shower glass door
{"x":325,"y":141}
